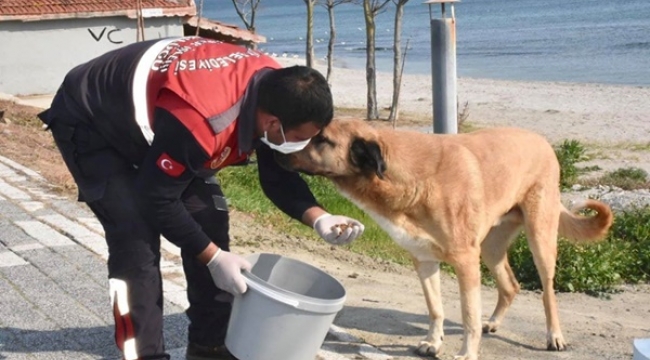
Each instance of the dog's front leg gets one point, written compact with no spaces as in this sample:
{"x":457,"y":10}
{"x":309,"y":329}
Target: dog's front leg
{"x":429,"y":274}
{"x":468,"y":270}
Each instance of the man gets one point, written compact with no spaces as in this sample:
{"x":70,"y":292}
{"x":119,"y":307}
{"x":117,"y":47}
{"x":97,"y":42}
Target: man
{"x":143,"y":129}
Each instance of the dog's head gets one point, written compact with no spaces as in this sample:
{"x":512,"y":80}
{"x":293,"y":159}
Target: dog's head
{"x":342,"y":149}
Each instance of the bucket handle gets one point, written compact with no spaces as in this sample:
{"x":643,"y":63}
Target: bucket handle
{"x":272,"y":294}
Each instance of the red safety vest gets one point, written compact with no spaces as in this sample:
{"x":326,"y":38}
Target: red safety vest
{"x":208,"y":78}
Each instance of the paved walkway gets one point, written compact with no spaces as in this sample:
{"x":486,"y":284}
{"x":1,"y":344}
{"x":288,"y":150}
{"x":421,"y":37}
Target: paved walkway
{"x":54,"y":301}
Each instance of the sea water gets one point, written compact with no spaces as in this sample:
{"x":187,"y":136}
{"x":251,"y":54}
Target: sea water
{"x":595,"y":41}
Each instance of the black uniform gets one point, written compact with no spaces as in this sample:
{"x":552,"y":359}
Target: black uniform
{"x":115,"y":168}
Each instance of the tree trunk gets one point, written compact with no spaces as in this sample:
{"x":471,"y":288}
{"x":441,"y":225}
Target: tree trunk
{"x":397,"y":62}
{"x":309,"y":51}
{"x":252,"y":44}
{"x":371,"y":78}
{"x":330,"y":44}
{"x":243,"y":12}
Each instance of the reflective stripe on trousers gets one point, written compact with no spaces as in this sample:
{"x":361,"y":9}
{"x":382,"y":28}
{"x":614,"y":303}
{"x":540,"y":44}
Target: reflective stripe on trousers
{"x":124,"y":334}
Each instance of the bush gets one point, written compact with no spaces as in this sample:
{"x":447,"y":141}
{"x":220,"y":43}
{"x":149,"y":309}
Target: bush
{"x":569,"y":153}
{"x":623,"y":257}
{"x":632,"y":232}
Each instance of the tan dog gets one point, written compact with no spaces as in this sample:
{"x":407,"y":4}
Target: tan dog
{"x":455,"y":198}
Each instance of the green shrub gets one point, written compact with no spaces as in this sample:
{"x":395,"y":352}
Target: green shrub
{"x":569,"y":153}
{"x":631,"y":230}
{"x":624,"y":256}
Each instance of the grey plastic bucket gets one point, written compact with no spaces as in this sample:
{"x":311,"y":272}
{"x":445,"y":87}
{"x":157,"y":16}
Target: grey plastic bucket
{"x":285,"y":313}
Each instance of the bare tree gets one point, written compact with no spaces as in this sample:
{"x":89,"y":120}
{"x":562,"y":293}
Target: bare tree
{"x":329,"y":5}
{"x":370,"y":9}
{"x":140,"y":21}
{"x":247,"y":9}
{"x":198,"y":21}
{"x":397,"y":59}
{"x":309,"y":51}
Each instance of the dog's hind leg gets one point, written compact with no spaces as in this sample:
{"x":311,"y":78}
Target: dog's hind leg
{"x":542,"y":217}
{"x":494,"y":251}
{"x":429,"y":274}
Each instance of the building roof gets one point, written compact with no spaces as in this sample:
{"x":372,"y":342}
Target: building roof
{"x":223,"y":30}
{"x":32,"y":10}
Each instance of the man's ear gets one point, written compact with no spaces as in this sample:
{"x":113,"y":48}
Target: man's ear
{"x":267,"y":121}
{"x":366,"y":155}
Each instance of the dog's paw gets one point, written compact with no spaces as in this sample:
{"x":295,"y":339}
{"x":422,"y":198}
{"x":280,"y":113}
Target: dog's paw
{"x":555,"y":342}
{"x":426,"y":348}
{"x":490,"y":327}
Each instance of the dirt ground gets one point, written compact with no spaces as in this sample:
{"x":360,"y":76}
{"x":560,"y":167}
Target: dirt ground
{"x":385,"y":305}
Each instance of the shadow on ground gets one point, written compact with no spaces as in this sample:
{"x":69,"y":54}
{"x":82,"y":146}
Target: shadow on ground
{"x":97,"y":342}
{"x":398,"y":324}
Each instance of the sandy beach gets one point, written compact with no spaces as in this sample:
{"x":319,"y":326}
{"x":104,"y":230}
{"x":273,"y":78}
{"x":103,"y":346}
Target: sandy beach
{"x":613,"y":121}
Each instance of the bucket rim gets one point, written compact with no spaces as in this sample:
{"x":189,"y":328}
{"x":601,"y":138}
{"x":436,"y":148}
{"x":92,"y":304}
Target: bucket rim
{"x":296,"y":300}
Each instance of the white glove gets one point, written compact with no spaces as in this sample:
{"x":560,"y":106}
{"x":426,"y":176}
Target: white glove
{"x":225,"y":268}
{"x":338,"y":229}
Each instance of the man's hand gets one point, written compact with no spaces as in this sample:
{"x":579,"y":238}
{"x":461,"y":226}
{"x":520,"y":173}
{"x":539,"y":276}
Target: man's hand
{"x":338,"y":229}
{"x":225,"y":268}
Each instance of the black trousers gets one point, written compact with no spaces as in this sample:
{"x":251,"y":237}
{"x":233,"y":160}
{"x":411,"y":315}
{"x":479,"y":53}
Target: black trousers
{"x":106,"y":183}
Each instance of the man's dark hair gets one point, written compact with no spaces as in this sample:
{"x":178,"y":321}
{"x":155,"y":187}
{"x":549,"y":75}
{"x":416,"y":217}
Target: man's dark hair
{"x":296,"y":95}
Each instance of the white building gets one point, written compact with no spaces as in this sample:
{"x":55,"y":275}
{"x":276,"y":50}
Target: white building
{"x":42,"y":40}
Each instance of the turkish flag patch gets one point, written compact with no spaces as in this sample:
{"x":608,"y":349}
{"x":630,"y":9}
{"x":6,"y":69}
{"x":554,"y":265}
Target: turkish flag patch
{"x":170,"y":166}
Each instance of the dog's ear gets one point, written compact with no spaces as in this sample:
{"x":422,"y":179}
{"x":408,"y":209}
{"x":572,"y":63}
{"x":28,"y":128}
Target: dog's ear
{"x":366,"y":155}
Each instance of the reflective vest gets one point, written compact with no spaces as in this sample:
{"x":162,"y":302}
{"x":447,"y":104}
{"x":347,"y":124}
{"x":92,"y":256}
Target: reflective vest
{"x":211,"y":78}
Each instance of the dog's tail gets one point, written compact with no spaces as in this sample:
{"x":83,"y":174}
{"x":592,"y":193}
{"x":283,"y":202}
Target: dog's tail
{"x":579,"y":228}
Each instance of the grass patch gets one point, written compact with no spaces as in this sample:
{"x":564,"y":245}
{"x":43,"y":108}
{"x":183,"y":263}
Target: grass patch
{"x":627,"y":146}
{"x":16,"y":114}
{"x":571,"y":152}
{"x":241,"y":186}
{"x":630,"y":178}
{"x":639,"y":147}
{"x":616,"y":150}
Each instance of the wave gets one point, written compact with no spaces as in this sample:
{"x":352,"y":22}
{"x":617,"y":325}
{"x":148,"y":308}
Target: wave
{"x":363,"y":48}
{"x":634,"y":45}
{"x":492,"y":53}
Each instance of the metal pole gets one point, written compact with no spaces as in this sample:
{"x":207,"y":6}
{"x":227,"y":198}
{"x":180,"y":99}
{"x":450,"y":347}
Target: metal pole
{"x":443,"y":73}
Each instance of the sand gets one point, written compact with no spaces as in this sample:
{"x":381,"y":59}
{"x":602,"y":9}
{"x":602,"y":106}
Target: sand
{"x":612,"y":120}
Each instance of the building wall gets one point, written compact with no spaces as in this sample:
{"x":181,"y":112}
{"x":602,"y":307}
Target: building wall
{"x":36,"y":55}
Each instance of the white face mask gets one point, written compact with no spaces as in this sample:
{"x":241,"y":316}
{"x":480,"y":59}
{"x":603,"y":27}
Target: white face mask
{"x":286,"y":147}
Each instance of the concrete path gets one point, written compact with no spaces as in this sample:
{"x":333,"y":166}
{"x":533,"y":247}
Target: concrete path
{"x":54,"y":300}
